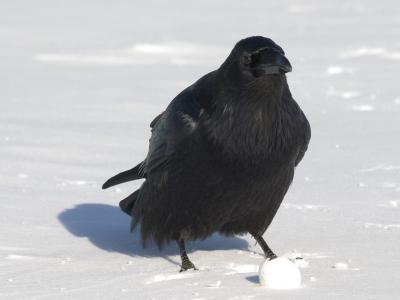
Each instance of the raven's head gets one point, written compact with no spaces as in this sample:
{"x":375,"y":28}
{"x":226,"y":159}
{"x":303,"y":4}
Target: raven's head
{"x":257,"y":56}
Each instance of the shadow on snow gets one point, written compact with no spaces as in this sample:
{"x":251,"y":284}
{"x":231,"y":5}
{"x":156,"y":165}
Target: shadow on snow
{"x":108,"y":228}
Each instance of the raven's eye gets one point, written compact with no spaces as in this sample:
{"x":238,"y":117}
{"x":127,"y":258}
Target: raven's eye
{"x":246,"y":58}
{"x":255,"y":59}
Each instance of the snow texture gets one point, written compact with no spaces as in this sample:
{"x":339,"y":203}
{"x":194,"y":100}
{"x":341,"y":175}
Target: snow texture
{"x":80,"y":82}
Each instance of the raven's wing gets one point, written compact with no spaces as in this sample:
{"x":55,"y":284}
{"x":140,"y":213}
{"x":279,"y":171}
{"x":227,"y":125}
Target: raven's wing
{"x":177,"y":123}
{"x":131,"y":174}
{"x":305,"y":138}
{"x":168,"y":129}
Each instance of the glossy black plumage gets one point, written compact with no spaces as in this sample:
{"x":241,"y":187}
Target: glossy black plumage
{"x":222,"y":155}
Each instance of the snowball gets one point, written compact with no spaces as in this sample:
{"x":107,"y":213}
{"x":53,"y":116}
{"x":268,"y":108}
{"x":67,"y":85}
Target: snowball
{"x":279,"y":273}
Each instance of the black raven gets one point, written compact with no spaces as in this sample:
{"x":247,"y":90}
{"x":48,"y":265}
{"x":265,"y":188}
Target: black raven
{"x":222,"y":155}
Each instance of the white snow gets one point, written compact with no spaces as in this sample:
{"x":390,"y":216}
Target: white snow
{"x":19,"y":257}
{"x":80,"y":82}
{"x":305,"y":207}
{"x":372,"y":51}
{"x":301,"y":263}
{"x":214,"y":285}
{"x":393,"y":203}
{"x":175,"y":53}
{"x":341,"y":266}
{"x":382,"y":226}
{"x":382,"y":167}
{"x":362,"y":107}
{"x":300,"y":9}
{"x":335,"y":70}
{"x":161,"y":277}
{"x":241,"y":268}
{"x":279,"y":273}
{"x":346,"y":94}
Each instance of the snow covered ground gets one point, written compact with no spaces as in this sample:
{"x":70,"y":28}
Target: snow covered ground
{"x":81,"y":80}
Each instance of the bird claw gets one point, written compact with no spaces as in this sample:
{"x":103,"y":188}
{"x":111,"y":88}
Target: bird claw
{"x":271,"y":257}
{"x":187,"y":266}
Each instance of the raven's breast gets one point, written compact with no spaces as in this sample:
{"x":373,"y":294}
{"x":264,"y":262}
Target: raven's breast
{"x":199,"y":194}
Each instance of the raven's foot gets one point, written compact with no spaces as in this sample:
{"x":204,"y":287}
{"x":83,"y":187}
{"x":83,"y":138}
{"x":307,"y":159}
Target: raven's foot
{"x":187,"y":265}
{"x":270,"y":256}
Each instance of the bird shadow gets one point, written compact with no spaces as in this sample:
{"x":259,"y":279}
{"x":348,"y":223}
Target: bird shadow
{"x":108,"y":228}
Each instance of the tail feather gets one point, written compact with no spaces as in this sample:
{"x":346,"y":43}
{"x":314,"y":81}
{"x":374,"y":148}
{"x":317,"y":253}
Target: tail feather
{"x":129,"y":175}
{"x":127,"y":204}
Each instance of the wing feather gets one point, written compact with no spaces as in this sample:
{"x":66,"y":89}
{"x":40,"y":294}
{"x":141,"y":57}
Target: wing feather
{"x":177,"y":123}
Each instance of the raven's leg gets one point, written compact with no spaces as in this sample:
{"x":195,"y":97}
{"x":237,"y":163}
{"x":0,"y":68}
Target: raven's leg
{"x":264,"y":246}
{"x":186,"y":263}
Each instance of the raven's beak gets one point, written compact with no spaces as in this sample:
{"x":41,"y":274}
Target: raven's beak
{"x":274,"y":65}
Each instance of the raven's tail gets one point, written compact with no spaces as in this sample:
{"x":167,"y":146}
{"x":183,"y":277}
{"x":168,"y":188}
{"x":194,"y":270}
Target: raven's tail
{"x":132,"y":174}
{"x":127,"y":204}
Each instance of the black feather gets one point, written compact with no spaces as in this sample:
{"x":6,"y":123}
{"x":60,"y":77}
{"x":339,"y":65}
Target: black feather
{"x":222,"y":155}
{"x":132,"y":174}
{"x":127,"y":204}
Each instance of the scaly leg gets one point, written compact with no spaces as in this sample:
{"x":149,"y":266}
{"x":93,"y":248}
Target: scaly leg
{"x":186,"y":263}
{"x":264,"y":246}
